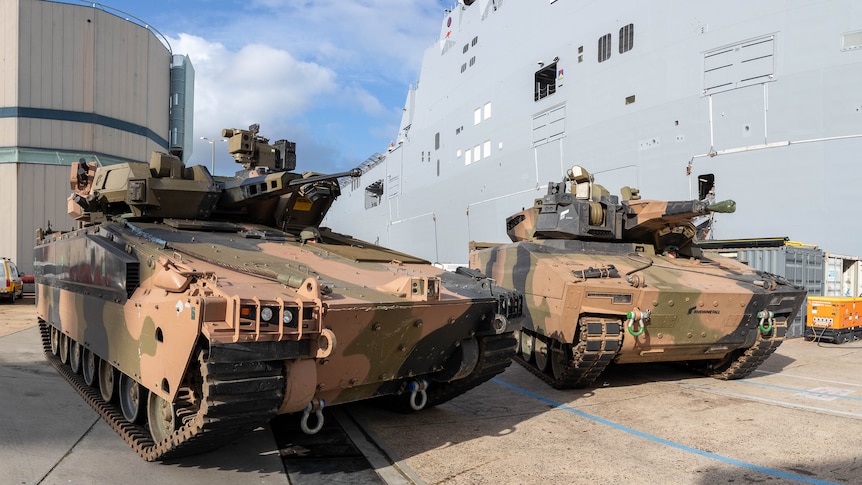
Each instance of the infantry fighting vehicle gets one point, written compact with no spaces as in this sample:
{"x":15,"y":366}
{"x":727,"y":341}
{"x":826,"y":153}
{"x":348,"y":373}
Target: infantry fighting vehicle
{"x":187,"y":309}
{"x":621,"y":281}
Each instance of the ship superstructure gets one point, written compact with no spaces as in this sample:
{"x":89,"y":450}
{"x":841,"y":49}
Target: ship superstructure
{"x":753,"y":101}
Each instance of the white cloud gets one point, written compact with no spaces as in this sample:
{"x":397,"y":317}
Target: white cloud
{"x":255,"y":84}
{"x":337,"y":69}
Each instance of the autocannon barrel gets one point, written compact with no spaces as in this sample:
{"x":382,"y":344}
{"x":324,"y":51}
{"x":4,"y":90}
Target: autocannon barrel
{"x":724,"y":207}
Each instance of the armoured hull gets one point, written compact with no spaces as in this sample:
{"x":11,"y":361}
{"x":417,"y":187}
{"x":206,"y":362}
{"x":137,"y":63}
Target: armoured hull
{"x":583,"y":314}
{"x":342,"y":321}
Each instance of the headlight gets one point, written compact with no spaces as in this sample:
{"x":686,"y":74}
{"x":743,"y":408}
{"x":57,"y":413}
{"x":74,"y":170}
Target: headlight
{"x":288,"y":317}
{"x":266,"y":314}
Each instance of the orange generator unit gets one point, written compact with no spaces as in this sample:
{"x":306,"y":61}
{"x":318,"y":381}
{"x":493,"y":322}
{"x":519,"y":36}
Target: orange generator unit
{"x":834,"y":319}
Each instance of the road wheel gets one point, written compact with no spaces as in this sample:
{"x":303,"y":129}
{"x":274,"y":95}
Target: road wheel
{"x":107,"y":380}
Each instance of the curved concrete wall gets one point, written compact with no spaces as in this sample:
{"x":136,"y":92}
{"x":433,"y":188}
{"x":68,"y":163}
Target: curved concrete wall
{"x":75,"y":82}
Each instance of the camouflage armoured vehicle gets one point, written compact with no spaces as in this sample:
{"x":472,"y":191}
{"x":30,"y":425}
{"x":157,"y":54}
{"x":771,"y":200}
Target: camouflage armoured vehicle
{"x":609,"y":281}
{"x":188,"y":309}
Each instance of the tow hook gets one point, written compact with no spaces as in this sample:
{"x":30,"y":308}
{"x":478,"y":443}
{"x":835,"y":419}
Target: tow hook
{"x":639,"y":317}
{"x":315,"y":406}
{"x":766,"y":320}
{"x":417,"y":388}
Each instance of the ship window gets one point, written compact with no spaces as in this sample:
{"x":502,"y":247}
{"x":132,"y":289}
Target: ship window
{"x":851,"y":40}
{"x":463,"y":67}
{"x":466,"y":46}
{"x":477,"y":116}
{"x":487,"y":110}
{"x":437,"y":141}
{"x":472,"y":61}
{"x":475,"y":41}
{"x":486,"y":149}
{"x":546,"y":82}
{"x":604,"y":47}
{"x":373,"y":194}
{"x":627,"y":38}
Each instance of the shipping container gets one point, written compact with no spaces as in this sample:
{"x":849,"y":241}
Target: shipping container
{"x":841,"y":277}
{"x":834,"y":319}
{"x":801,"y":264}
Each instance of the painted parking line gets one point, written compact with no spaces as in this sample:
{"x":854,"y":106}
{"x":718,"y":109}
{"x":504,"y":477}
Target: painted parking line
{"x":672,"y":444}
{"x":786,"y":404}
{"x":816,"y":379}
{"x":822,"y":393}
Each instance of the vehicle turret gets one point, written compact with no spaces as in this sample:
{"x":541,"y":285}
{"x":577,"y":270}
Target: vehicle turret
{"x":267,"y":191}
{"x":577,"y":208}
{"x":608,"y":280}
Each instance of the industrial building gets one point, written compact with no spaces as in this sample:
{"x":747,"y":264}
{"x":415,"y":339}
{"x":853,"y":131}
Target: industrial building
{"x":78,"y":82}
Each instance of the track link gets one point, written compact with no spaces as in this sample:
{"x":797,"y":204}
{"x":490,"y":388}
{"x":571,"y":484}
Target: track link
{"x":579,"y":365}
{"x":745,"y":362}
{"x":233,"y":399}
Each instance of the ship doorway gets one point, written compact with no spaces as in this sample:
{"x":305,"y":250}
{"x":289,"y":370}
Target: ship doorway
{"x":546,"y":81}
{"x":705,"y":186}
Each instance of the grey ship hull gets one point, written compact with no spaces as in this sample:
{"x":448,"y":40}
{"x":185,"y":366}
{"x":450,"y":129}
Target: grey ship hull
{"x":765,"y":96}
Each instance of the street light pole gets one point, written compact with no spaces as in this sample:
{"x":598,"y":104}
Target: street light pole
{"x":212,"y":141}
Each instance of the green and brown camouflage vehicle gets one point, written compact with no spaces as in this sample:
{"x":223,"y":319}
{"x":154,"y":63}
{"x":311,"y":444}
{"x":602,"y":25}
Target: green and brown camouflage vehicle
{"x":609,"y":281}
{"x":188,"y":309}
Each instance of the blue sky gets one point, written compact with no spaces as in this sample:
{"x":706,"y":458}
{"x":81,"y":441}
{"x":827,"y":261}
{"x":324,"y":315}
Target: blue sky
{"x":331,"y":75}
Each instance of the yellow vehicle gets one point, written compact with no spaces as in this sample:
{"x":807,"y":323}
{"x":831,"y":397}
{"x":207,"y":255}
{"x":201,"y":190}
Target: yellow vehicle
{"x":11,"y":286}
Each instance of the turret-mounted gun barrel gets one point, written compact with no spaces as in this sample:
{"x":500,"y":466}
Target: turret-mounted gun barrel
{"x":587,"y":211}
{"x":241,"y":192}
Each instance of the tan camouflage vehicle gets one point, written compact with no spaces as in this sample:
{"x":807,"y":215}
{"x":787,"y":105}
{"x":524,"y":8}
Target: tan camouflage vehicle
{"x":608,"y":281}
{"x":188,"y":309}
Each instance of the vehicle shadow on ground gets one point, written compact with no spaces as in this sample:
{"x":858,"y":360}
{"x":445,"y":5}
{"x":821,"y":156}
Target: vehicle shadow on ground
{"x":253,"y":452}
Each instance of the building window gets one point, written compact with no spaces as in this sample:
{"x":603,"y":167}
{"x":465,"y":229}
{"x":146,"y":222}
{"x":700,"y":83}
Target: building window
{"x":477,"y":116}
{"x":373,"y":194}
{"x":466,"y":46}
{"x":486,"y":149}
{"x":604,"y":47}
{"x":580,"y":54}
{"x":468,"y":156}
{"x":627,"y":38}
{"x":475,"y":41}
{"x":487,"y":110}
{"x":472,"y":61}
{"x":463,"y":67}
{"x":546,"y":81}
{"x":477,"y":153}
